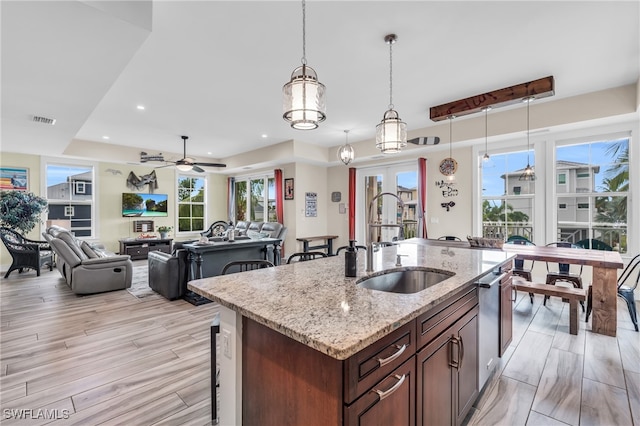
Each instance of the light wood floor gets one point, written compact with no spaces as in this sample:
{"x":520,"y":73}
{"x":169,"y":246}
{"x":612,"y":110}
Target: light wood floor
{"x":114,"y":359}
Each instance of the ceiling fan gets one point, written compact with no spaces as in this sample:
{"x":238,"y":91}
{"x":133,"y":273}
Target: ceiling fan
{"x":186,"y":164}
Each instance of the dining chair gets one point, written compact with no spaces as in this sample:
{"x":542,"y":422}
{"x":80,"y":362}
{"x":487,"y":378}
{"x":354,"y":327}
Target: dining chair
{"x":449,"y":238}
{"x":564,"y":271}
{"x":358,"y":247}
{"x":304,"y":256}
{"x":518,"y":264}
{"x":627,"y":283}
{"x":245,"y":265}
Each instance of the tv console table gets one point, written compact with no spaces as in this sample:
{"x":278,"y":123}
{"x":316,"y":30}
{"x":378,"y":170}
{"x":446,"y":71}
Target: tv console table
{"x":139,"y":248}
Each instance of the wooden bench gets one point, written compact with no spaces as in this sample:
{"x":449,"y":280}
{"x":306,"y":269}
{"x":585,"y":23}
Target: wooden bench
{"x":328,"y":243}
{"x":574,"y":295}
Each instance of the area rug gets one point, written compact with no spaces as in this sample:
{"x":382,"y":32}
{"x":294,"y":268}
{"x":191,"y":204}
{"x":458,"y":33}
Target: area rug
{"x":140,"y":282}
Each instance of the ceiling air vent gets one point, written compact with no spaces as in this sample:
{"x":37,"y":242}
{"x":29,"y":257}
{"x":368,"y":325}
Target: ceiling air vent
{"x":44,"y":120}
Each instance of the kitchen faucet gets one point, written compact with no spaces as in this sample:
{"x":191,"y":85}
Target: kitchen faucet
{"x":372,"y":225}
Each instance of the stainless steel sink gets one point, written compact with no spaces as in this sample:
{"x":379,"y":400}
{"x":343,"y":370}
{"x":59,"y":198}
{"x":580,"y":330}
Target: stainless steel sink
{"x":404,"y":281}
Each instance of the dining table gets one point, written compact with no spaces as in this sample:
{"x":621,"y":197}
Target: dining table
{"x":604,"y":266}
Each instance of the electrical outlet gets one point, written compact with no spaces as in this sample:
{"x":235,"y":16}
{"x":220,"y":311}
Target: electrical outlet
{"x":226,"y":343}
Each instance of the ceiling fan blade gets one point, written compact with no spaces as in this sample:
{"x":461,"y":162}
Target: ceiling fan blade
{"x":197,"y":169}
{"x":425,"y":140}
{"x":166,"y":165}
{"x":211,"y":164}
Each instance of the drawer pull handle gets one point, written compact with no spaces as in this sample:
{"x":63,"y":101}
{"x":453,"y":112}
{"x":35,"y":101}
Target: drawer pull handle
{"x":385,"y":361}
{"x":384,"y":394}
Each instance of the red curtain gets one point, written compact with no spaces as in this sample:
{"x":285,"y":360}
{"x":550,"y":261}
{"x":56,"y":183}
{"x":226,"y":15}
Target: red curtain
{"x":422,"y":197}
{"x":277,"y":174}
{"x":352,"y":203}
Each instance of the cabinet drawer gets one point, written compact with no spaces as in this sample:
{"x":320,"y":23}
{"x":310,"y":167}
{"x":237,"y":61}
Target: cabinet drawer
{"x":391,"y":401}
{"x":438,"y":319}
{"x":137,"y":251}
{"x":161,"y":247}
{"x":370,"y":365}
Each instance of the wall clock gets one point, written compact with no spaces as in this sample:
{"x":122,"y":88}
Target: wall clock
{"x":448,"y":166}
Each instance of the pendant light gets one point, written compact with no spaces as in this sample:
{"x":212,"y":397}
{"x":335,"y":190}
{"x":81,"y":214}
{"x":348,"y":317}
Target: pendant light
{"x":451,"y":177}
{"x":528,"y":174}
{"x":486,"y":157}
{"x":303,"y":97}
{"x":391,"y":133}
{"x":346,"y":153}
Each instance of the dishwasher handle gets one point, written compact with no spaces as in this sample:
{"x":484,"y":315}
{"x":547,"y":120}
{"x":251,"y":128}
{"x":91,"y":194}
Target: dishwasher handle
{"x":496,"y":280}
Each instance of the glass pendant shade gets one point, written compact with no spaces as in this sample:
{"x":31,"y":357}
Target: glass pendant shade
{"x":528,"y":174}
{"x":391,"y":133}
{"x":346,"y":154}
{"x":303,"y":99}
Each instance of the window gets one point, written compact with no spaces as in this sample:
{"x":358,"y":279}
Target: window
{"x":253,"y":195}
{"x":70,"y":196}
{"x":191,"y":203}
{"x":562,"y":206}
{"x":601,"y":196}
{"x":562,"y":178}
{"x":505,"y":213}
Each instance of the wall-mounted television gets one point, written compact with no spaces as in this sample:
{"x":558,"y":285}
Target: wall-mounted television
{"x":144,"y":205}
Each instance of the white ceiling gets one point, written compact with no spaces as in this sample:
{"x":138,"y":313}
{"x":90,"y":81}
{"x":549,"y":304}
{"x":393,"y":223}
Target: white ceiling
{"x":214,"y":70}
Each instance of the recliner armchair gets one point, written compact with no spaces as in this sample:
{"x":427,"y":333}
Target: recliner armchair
{"x":169,"y":273}
{"x":88,"y":268}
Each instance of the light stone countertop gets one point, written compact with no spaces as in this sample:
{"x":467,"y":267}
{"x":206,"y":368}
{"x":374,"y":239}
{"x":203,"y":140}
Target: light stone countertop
{"x":314,"y":303}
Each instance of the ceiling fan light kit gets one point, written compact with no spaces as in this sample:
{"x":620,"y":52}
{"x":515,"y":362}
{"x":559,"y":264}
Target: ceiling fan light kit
{"x":303,"y":96}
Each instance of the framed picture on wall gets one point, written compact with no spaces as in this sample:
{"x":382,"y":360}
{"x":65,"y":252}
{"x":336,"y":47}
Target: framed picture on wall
{"x":288,"y":189}
{"x":14,"y":178}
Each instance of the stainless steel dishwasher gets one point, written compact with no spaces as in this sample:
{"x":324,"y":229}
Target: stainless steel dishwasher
{"x":488,"y":324}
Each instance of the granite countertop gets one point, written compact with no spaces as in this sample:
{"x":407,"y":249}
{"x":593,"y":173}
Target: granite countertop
{"x":314,"y":303}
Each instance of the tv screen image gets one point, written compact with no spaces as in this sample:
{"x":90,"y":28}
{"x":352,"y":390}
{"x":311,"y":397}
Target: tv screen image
{"x":144,"y":205}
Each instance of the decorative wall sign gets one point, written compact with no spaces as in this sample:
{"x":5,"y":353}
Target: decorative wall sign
{"x":447,"y":188}
{"x":311,"y":204}
{"x":288,"y":189}
{"x":448,"y":205}
{"x":14,"y":178}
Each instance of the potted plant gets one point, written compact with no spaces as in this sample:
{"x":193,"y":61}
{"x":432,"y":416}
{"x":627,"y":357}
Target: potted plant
{"x":164,"y":230}
{"x":20,"y":210}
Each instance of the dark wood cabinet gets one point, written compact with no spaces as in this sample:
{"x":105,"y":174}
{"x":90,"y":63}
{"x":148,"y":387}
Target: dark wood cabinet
{"x":390,"y":402}
{"x":506,"y":313}
{"x":139,"y":249}
{"x":424,"y":372}
{"x":447,"y":370}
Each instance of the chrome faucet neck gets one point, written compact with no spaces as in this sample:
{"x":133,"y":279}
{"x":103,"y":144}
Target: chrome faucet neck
{"x":371,"y":225}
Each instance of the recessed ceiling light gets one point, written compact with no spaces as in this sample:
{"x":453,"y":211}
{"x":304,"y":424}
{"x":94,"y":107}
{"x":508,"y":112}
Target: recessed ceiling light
{"x":264,"y":135}
{"x":105,"y":137}
{"x":140,"y":107}
{"x":209,"y":153}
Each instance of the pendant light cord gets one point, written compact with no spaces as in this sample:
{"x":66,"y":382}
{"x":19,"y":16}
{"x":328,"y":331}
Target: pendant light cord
{"x":391,"y":74}
{"x":486,"y":131}
{"x":528,"y":103}
{"x":450,"y":135}
{"x":304,"y":33}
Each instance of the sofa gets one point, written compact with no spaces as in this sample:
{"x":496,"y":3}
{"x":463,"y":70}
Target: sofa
{"x":169,"y":273}
{"x":88,"y":268}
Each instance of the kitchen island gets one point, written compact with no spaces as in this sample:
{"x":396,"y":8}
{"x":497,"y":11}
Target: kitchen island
{"x":293,"y":336}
